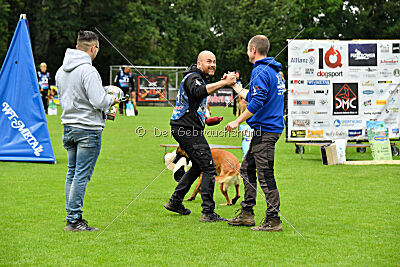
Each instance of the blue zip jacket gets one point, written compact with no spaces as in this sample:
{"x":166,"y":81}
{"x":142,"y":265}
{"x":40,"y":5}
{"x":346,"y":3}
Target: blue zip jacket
{"x":265,"y":96}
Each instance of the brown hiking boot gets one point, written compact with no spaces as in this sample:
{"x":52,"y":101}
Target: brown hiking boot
{"x":244,"y":218}
{"x":269,"y":225}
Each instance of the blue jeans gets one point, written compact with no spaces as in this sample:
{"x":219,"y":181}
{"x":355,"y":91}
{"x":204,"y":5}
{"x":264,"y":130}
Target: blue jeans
{"x":83,"y":149}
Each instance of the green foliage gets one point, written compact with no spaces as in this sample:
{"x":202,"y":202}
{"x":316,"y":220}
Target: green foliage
{"x":173,"y":32}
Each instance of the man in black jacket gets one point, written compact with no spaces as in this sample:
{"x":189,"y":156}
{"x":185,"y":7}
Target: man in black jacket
{"x":187,"y":125}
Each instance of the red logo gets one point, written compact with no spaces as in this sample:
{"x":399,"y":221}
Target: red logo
{"x":333,"y":52}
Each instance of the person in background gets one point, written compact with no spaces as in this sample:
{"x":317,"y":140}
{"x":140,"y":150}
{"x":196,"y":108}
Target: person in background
{"x":123,"y":80}
{"x":44,"y":84}
{"x":235,"y":98}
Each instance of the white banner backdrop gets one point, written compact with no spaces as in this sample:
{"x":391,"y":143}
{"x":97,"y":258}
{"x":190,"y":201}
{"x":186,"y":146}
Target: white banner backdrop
{"x":334,"y":87}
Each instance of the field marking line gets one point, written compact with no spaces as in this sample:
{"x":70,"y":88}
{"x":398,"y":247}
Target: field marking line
{"x":133,"y":200}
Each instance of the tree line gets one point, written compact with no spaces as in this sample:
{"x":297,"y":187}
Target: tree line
{"x":172,"y":32}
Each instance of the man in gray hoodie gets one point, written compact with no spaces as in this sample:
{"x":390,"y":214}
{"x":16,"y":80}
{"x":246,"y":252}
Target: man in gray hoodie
{"x":84,"y":102}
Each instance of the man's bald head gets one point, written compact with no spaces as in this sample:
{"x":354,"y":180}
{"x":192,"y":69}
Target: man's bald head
{"x":206,"y":62}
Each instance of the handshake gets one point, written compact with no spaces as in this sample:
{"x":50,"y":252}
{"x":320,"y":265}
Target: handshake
{"x":229,"y":78}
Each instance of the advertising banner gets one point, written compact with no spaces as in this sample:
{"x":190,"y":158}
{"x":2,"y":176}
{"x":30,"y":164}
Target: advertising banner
{"x":335,"y":87}
{"x":24,"y":135}
{"x":221,"y":98}
{"x":152,"y":88}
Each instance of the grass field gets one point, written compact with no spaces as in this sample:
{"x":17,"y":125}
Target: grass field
{"x":349,"y":215}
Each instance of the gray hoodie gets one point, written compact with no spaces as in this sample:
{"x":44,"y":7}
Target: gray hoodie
{"x":81,"y":93}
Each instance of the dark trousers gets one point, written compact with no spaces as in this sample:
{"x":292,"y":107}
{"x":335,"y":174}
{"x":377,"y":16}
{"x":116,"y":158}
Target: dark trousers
{"x":260,"y":160}
{"x":45,"y":98}
{"x":198,"y":150}
{"x":122,"y":104}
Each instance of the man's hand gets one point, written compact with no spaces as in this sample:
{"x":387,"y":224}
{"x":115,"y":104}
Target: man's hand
{"x":115,"y":101}
{"x":230,"y":78}
{"x":232,"y":125}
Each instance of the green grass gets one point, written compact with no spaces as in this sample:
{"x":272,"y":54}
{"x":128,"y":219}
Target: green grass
{"x":349,"y":215}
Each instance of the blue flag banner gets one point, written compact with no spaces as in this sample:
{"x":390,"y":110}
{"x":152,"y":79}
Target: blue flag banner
{"x":24,"y":135}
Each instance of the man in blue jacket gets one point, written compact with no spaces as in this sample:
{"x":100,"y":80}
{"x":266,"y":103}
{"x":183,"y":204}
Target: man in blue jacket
{"x":264,"y":114}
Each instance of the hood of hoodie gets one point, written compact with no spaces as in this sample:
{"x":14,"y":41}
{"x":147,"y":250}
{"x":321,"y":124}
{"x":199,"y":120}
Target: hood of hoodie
{"x":270,"y":62}
{"x":193,"y":68}
{"x":74,"y":58}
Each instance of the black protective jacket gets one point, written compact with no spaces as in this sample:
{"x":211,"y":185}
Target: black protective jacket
{"x":195,"y":87}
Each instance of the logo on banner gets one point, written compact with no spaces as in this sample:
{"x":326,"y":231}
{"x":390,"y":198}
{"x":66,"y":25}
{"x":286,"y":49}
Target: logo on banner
{"x":297,"y":82}
{"x":309,"y":71}
{"x":368,"y":83}
{"x":321,"y":123}
{"x":302,"y":123}
{"x":362,"y":54}
{"x":385,"y":73}
{"x":318,"y":82}
{"x":301,"y":92}
{"x":298,"y":133}
{"x":320,"y":112}
{"x":304,"y":102}
{"x":381,"y":102}
{"x":390,"y":61}
{"x":333,"y":58}
{"x":300,"y":112}
{"x":322,"y":91}
{"x":355,"y":133}
{"x":384,"y":81}
{"x":367,"y":103}
{"x":308,"y":50}
{"x":384,"y":48}
{"x":345,"y":96}
{"x":368,"y":92}
{"x":396,"y":48}
{"x":315,"y":134}
{"x":298,"y":60}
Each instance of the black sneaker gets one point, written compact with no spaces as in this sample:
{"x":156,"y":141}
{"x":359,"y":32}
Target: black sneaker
{"x":79,"y":226}
{"x":176,"y":206}
{"x":211,"y":217}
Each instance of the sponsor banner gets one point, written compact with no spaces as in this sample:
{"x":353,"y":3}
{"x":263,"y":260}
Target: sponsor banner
{"x":220,"y":97}
{"x":337,"y":86}
{"x":152,"y":88}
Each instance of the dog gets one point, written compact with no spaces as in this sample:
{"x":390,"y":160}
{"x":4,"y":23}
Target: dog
{"x":227,"y":164}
